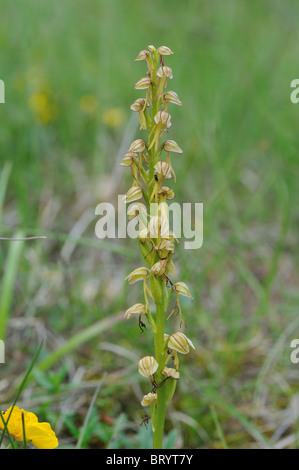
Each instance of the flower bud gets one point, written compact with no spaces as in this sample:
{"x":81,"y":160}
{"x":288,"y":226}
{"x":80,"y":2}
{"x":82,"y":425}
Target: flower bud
{"x":143,"y":83}
{"x":170,"y":372}
{"x":164,"y":50}
{"x":179,"y":342}
{"x":151,"y":48}
{"x":139,"y":274}
{"x":134,"y":194}
{"x":147,"y":399}
{"x":148,"y":366}
{"x":137,"y":309}
{"x":172,"y":97}
{"x":182,"y":289}
{"x":172,"y":146}
{"x":164,"y":71}
{"x":143,"y":55}
{"x":137,"y":146}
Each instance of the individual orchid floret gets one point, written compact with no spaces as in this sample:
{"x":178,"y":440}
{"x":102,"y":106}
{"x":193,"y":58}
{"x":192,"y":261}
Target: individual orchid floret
{"x":140,"y":106}
{"x":182,"y":289}
{"x":139,"y":274}
{"x":143,"y":55}
{"x":164,"y":50}
{"x":149,"y":398}
{"x":148,"y":366}
{"x":163,"y":169}
{"x":162,"y":122}
{"x":169,"y":372}
{"x":164,"y":248}
{"x":129,"y":159}
{"x":172,"y":146}
{"x":172,"y":97}
{"x":159,"y":268}
{"x":134,"y":194}
{"x":151,"y":48}
{"x":162,"y":117}
{"x":143,"y":83}
{"x":165,"y":193}
{"x":179,"y":342}
{"x":137,"y":146}
{"x":165,"y":72}
{"x":137,"y":309}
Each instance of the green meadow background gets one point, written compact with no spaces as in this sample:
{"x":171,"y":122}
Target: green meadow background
{"x":69,"y":74}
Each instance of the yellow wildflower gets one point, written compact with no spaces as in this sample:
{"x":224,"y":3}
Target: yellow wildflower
{"x":43,"y":107}
{"x":88,"y":104}
{"x":113,"y":117}
{"x":39,"y":434}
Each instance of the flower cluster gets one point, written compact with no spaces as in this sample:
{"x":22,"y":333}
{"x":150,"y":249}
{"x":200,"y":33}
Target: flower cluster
{"x":150,"y":163}
{"x":20,"y":423}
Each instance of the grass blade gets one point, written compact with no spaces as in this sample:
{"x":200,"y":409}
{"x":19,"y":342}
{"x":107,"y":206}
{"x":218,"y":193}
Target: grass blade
{"x":4,"y":178}
{"x":9,"y":276}
{"x":76,"y":341}
{"x":21,"y":387}
{"x":85,"y":424}
{"x":217,"y":400}
{"x":218,"y":427}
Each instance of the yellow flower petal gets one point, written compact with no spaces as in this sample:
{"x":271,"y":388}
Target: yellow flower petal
{"x":41,"y":435}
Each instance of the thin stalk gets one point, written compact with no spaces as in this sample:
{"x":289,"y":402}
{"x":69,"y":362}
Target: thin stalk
{"x":160,"y":358}
{"x":75,"y":341}
{"x":19,"y":391}
{"x":8,"y":282}
{"x":24,"y":432}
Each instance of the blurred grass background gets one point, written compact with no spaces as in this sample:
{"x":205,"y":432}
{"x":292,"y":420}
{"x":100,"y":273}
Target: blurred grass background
{"x":69,"y":73}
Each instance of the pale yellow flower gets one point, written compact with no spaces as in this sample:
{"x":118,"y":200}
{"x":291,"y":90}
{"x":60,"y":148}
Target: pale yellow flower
{"x":113,"y":117}
{"x":88,"y":104}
